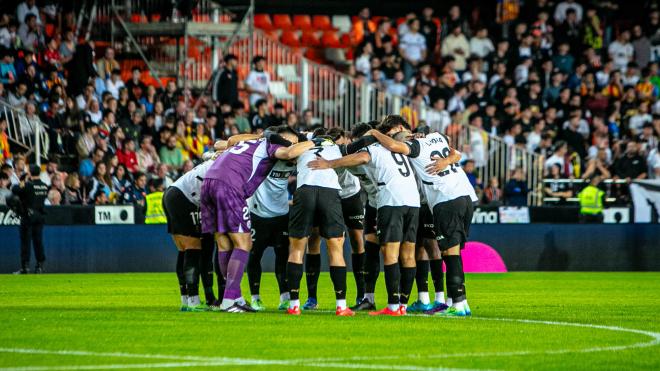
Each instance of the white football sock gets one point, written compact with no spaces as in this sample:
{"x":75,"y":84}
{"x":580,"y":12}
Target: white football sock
{"x":449,"y":302}
{"x":256,"y":297}
{"x":440,"y":296}
{"x":460,"y":305}
{"x":423,"y":296}
{"x":184,"y":299}
{"x":393,"y":307}
{"x":370,"y":297}
{"x":284,"y":297}
{"x":226,"y":303}
{"x":240,"y":301}
{"x":193,"y":301}
{"x":294,"y":303}
{"x":341,"y":303}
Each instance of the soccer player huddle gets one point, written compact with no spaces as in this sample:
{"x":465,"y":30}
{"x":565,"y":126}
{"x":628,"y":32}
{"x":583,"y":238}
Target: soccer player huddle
{"x":394,"y":194}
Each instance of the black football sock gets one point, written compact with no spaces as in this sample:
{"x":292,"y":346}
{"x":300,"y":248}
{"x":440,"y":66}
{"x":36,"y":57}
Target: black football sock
{"x":422,"y":276}
{"x":338,"y":277}
{"x":294,"y":273}
{"x":206,"y":270}
{"x":312,"y":271}
{"x":437,"y":275}
{"x":392,"y":282}
{"x":357,"y":261}
{"x":218,"y":275}
{"x":407,"y":280}
{"x":281,"y":256}
{"x":254,"y":269}
{"x":372,"y":266}
{"x":191,"y":270}
{"x":179,"y":273}
{"x":455,"y":278}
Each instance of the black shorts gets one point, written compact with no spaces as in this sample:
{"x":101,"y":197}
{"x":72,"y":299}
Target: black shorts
{"x":183,"y":217}
{"x":313,"y":203}
{"x":452,"y":221}
{"x":370,"y":219}
{"x":270,"y":231}
{"x":397,"y":224}
{"x":425,"y":228}
{"x":353,"y":210}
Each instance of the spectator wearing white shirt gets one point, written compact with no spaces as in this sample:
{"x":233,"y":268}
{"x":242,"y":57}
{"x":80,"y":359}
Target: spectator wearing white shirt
{"x":557,"y":158}
{"x":257,"y":80}
{"x":437,"y":119}
{"x":522,"y":71}
{"x":25,"y":8}
{"x":412,"y":47}
{"x":397,"y":87}
{"x":480,"y":44}
{"x":621,"y":51}
{"x":534,"y":137}
{"x":560,"y":11}
{"x":363,"y":61}
{"x":637,"y":121}
{"x":114,"y":83}
{"x":457,"y":45}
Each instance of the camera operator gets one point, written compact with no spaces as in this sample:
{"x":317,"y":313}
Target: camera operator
{"x":30,"y":194}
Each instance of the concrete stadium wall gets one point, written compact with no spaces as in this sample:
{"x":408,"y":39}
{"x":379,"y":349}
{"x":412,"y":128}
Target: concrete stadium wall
{"x":530,"y":247}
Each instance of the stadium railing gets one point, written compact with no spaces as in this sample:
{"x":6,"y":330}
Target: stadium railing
{"x":28,"y":133}
{"x":613,"y":195}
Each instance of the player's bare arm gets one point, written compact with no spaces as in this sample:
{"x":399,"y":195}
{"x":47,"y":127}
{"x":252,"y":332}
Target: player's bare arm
{"x":235,"y":139}
{"x":439,"y":163}
{"x":289,"y":153}
{"x":390,"y":143}
{"x":354,"y":159}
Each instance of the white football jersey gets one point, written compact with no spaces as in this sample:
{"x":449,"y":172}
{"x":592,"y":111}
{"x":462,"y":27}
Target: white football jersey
{"x":449,"y":184}
{"x":327,"y":178}
{"x":271,"y":199}
{"x":190,"y":183}
{"x":350,"y":184}
{"x":394,"y":177}
{"x":366,"y":183}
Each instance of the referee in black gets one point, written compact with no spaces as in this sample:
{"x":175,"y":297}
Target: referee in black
{"x":31,"y":193}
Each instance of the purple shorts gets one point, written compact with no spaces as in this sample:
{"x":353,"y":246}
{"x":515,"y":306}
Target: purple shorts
{"x":223,"y":208}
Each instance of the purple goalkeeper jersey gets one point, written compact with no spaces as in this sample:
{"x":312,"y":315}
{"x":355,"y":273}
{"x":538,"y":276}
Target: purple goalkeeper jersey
{"x":245,"y":166}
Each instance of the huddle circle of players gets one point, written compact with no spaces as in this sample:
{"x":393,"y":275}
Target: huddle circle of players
{"x":397,"y":194}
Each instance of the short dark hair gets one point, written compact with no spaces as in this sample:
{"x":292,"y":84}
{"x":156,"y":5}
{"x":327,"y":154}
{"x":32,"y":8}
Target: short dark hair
{"x":284,"y":129}
{"x":336,"y":133}
{"x":362,"y":128}
{"x":319,"y":132}
{"x":260,"y":102}
{"x":391,"y":121}
{"x":229,"y":57}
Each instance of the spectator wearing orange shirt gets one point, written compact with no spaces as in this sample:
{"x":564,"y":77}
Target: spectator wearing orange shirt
{"x":4,"y":140}
{"x":363,"y":27}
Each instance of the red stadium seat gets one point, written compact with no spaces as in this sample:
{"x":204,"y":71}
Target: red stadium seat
{"x":302,"y":22}
{"x":310,"y":39}
{"x":346,"y":41}
{"x":290,"y":38}
{"x":282,"y":22}
{"x":322,"y":22}
{"x":263,"y":21}
{"x":330,"y":40}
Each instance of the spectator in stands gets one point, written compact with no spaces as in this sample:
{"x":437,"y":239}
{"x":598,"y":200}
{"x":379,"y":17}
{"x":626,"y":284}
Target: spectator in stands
{"x":515,"y":190}
{"x":99,"y":183}
{"x":148,"y":101}
{"x":170,"y":154}
{"x":5,"y":153}
{"x":7,"y":70}
{"x":226,"y":86}
{"x":140,"y":189}
{"x":121,"y":185}
{"x":261,"y":120}
{"x":480,"y":44}
{"x":198,"y":141}
{"x":257,"y":81}
{"x":127,"y":155}
{"x":397,"y":86}
{"x":87,"y":141}
{"x":162,"y":173}
{"x":147,"y":155}
{"x":412,"y":47}
{"x":30,"y":33}
{"x":598,"y":165}
{"x":87,"y":165}
{"x":28,"y":7}
{"x":364,"y":26}
{"x":429,"y":29}
{"x":114,"y":83}
{"x":136,"y":88}
{"x":67,"y":46}
{"x":457,"y":46}
{"x":5,"y":192}
{"x":242,"y":123}
{"x":72,"y":194}
{"x":105,"y":65}
{"x":54,"y":198}
{"x":492,"y":193}
{"x":453,"y":20}
{"x":631,"y":165}
{"x":553,"y":187}
{"x":279,"y":115}
{"x":621,"y":51}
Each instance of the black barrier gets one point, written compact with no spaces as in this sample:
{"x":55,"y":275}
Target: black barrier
{"x":531,"y":247}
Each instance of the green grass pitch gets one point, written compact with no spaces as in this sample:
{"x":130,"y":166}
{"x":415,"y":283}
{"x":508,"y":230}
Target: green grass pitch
{"x":521,"y":321}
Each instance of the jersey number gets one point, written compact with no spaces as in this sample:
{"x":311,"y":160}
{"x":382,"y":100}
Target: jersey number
{"x":401,"y":162}
{"x":241,"y":147}
{"x":444,"y":154}
{"x":317,"y":151}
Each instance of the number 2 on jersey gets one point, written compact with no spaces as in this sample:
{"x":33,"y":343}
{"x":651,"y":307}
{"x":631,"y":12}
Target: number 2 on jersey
{"x":444,"y":154}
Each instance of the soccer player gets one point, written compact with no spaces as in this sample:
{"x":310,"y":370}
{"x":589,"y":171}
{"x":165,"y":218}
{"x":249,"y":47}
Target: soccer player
{"x":450,"y":196}
{"x":317,"y":198}
{"x":228,"y":183}
{"x":269,"y":211}
{"x":181,"y":204}
{"x":398,"y":212}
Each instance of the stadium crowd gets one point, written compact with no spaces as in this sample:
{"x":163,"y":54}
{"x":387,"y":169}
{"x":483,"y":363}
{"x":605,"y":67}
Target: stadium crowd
{"x":561,"y":79}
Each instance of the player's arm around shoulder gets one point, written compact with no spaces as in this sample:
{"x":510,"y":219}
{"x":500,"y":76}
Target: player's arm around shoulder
{"x":235,"y":139}
{"x":355,"y":159}
{"x":390,"y":143}
{"x":289,"y":153}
